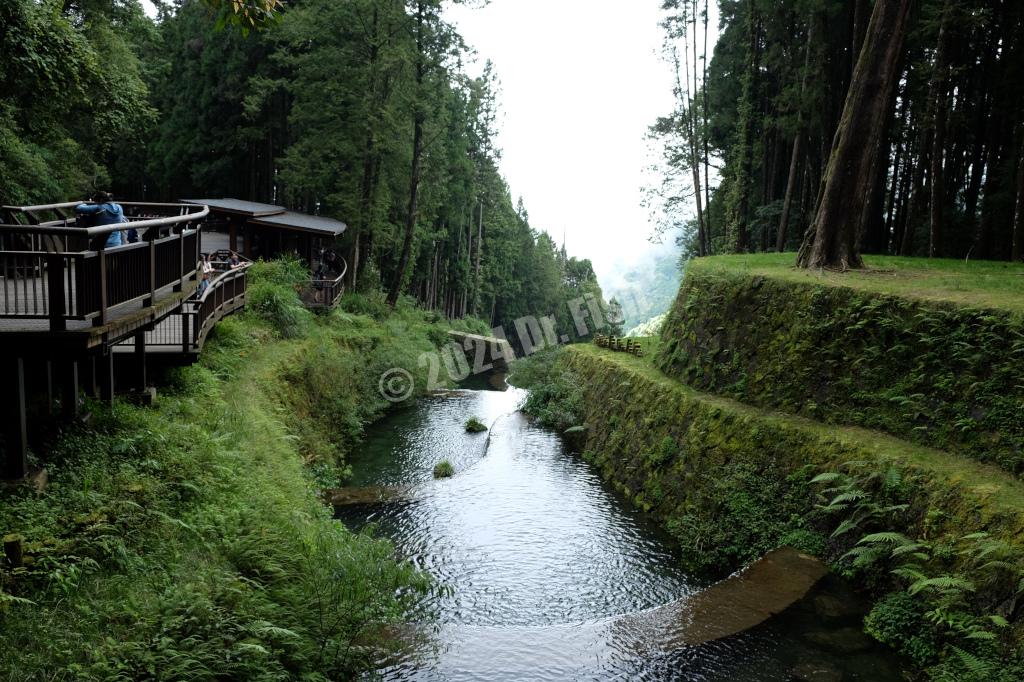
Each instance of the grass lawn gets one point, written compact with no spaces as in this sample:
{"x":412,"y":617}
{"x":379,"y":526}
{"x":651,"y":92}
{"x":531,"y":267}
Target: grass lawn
{"x":977,"y":284}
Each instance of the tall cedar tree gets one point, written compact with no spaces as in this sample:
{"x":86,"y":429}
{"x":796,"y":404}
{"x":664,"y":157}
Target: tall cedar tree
{"x":831,"y":241}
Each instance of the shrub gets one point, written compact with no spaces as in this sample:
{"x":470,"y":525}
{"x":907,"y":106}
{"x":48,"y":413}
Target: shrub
{"x":444,"y":469}
{"x":474,"y":425}
{"x":556,"y":393}
{"x":280,"y":306}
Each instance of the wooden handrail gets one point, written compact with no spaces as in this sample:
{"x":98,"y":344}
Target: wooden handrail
{"x":197,"y":213}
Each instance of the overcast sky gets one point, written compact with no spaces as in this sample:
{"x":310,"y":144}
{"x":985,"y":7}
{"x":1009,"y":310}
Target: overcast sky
{"x":581,"y":82}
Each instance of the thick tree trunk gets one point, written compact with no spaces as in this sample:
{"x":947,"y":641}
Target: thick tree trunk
{"x":412,"y":212}
{"x":832,"y":241}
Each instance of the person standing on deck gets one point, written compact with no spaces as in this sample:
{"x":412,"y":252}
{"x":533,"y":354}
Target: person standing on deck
{"x":103,"y":211}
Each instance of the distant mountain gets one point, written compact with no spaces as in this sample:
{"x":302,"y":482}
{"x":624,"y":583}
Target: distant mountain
{"x":648,"y":288}
{"x":651,"y":327}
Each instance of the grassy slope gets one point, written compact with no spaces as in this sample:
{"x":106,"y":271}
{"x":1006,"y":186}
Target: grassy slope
{"x":187,"y":541}
{"x":976,"y":284}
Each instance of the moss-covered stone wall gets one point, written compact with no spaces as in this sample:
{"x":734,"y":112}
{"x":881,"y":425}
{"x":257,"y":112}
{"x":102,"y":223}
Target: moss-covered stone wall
{"x":677,"y":453}
{"x":731,"y":482}
{"x":933,"y":373}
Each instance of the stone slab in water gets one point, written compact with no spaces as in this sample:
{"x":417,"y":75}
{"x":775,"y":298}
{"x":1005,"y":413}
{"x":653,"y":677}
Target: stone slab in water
{"x":739,"y":603}
{"x":346,"y":497}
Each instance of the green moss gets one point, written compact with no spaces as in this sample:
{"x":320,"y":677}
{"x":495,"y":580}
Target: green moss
{"x":740,"y":482}
{"x":861,"y":349}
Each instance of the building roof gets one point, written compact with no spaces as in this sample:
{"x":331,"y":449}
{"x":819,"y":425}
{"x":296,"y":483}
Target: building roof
{"x":249,"y":209}
{"x":302,"y":222}
{"x":270,"y":215}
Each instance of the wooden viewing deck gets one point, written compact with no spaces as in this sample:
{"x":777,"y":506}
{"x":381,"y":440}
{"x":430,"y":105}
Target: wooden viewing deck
{"x":69,"y":305}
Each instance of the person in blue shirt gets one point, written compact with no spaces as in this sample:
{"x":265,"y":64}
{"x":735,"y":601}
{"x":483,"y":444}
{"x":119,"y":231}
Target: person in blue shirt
{"x":103,"y":211}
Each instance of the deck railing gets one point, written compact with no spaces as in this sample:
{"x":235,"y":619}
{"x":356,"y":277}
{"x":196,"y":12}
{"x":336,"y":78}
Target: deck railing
{"x":324,"y":293}
{"x":184,"y":331}
{"x":58,"y":271}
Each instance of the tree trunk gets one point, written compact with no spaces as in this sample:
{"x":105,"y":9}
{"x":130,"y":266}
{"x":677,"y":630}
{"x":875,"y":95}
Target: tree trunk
{"x":707,"y":140}
{"x":479,"y":250}
{"x":739,"y":201}
{"x":939,"y":102}
{"x":794,"y":162}
{"x":1018,"y":219}
{"x":832,"y":241}
{"x":412,"y":212}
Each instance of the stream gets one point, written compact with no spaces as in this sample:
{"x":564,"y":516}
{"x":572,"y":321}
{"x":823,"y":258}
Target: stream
{"x":538,"y":560}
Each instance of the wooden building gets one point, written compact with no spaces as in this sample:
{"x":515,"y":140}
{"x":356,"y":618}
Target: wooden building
{"x":266,"y":231}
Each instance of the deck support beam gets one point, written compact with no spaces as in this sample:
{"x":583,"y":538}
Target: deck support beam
{"x":140,"y":361}
{"x":67,"y":381}
{"x":13,"y":424}
{"x":105,"y":369}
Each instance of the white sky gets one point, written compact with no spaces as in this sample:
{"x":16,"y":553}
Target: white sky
{"x":581,"y":82}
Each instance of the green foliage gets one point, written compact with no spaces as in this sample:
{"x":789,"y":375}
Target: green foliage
{"x":74,"y":96}
{"x":273,"y":296}
{"x":556,"y":394}
{"x":444,"y":469}
{"x":474,"y":425}
{"x":937,"y":616}
{"x":188,"y":541}
{"x":752,"y":510}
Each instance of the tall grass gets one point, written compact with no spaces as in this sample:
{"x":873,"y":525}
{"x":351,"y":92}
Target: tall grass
{"x":187,"y":541}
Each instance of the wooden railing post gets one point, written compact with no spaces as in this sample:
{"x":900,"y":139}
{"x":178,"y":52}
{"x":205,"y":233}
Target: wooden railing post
{"x":152,"y":234}
{"x":102,"y":318}
{"x":185,"y":317}
{"x":55,"y":292}
{"x":179,"y":285}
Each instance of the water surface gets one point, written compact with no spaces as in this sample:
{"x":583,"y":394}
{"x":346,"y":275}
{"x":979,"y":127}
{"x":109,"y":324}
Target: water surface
{"x":537,"y":560}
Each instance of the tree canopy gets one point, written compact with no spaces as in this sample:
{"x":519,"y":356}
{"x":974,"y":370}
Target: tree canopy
{"x":944,"y":166}
{"x":360,"y":110}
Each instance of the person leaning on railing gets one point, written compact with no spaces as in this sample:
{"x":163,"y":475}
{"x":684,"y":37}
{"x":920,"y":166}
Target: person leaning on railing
{"x":103,"y":211}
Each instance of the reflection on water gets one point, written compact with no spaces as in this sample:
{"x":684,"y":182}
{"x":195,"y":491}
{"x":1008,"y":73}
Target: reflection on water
{"x":538,"y":560}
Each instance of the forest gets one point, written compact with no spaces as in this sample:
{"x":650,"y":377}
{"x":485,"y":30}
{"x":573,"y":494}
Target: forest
{"x":920,"y":115}
{"x":361,"y":110}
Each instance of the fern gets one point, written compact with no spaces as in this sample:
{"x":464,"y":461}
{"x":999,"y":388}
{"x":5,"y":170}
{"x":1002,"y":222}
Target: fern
{"x":889,"y":537}
{"x":943,"y":583}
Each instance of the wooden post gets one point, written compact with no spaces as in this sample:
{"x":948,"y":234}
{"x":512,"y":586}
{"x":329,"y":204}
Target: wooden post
{"x":101,"y":319}
{"x":152,"y":234}
{"x":232,"y":235}
{"x":12,"y":417}
{"x":105,"y":365}
{"x":55,"y":291}
{"x":140,"y":361}
{"x":14,"y":551}
{"x":179,"y":285}
{"x":67,"y":381}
